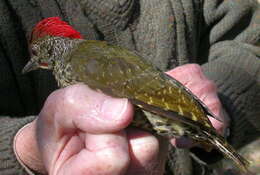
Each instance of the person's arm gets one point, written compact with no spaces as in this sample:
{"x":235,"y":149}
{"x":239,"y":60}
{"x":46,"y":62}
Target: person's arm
{"x":9,"y":164}
{"x":230,"y":43}
{"x":234,"y":64}
{"x":12,"y":107}
{"x":16,"y":92}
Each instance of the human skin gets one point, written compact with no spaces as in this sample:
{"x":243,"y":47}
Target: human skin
{"x":81,"y":131}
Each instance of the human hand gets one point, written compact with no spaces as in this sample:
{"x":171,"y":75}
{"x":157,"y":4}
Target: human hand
{"x":96,"y":137}
{"x":80,"y":131}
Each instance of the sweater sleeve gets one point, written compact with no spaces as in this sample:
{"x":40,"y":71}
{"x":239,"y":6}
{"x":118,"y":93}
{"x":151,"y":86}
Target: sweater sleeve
{"x":9,"y":165}
{"x":230,"y":43}
{"x":16,"y":91}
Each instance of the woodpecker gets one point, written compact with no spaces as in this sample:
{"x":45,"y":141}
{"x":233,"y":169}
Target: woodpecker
{"x":174,"y":110}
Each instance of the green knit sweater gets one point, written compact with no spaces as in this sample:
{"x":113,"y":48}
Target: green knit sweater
{"x":221,"y":35}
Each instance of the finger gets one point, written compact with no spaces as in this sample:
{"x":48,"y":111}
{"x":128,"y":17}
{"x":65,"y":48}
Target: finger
{"x":73,"y":109}
{"x":221,"y":127}
{"x":104,"y":154}
{"x":206,"y":91}
{"x":203,"y":89}
{"x":187,"y":73}
{"x":144,"y":152}
{"x":80,"y":107}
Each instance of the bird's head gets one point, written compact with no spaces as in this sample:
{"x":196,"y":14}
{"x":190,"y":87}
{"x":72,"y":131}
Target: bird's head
{"x":49,"y":40}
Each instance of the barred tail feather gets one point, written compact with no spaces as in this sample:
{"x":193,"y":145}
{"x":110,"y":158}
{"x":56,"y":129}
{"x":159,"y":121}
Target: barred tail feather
{"x":230,"y":152}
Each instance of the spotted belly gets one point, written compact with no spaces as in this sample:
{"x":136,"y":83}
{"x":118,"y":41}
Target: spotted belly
{"x":157,"y":124}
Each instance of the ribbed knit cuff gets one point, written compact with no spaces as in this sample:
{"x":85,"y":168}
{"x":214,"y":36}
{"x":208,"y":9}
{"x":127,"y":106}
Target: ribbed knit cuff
{"x":9,"y":165}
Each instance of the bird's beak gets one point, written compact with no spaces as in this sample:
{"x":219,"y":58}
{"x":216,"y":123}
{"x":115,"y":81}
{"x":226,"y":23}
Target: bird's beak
{"x":31,"y":65}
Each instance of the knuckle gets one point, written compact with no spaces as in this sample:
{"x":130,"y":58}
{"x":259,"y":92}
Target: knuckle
{"x":51,"y":102}
{"x":51,"y":98}
{"x":210,"y":86}
{"x":57,"y":104}
{"x":195,"y":68}
{"x":70,"y":95}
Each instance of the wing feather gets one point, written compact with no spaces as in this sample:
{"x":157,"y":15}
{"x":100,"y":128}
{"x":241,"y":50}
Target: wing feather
{"x":121,"y":73}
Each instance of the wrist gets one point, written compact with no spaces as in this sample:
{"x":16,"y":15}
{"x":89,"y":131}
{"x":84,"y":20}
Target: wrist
{"x":26,"y":149}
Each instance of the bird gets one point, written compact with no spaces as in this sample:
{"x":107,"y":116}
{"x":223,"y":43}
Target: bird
{"x":118,"y":72}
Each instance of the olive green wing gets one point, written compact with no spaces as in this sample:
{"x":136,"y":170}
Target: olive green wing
{"x":121,"y":73}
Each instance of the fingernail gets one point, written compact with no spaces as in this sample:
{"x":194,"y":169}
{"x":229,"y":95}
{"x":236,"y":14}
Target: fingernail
{"x":113,"y":108}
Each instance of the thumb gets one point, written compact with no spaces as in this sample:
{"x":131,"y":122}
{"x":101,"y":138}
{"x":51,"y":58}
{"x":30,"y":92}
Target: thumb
{"x":79,"y":107}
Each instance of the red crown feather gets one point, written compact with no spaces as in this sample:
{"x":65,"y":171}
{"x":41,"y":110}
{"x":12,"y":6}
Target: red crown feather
{"x":54,"y":26}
